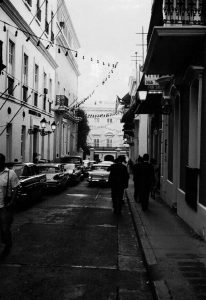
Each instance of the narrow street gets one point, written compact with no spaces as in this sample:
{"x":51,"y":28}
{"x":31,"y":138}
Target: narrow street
{"x":71,"y":246}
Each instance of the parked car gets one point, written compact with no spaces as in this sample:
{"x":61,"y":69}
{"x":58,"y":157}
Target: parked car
{"x":73,"y":159}
{"x":74,"y":173}
{"x":55,"y":175}
{"x":32,"y":184}
{"x":87,"y":164}
{"x":99,"y":173}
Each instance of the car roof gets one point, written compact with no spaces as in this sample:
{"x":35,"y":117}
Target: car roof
{"x":50,"y":165}
{"x":19,"y":164}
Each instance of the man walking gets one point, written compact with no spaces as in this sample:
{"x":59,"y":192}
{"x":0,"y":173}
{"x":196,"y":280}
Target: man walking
{"x":8,"y":184}
{"x":118,"y":179}
{"x":146,"y":181}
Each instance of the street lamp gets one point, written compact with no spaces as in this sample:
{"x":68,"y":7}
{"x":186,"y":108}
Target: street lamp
{"x":142,"y":95}
{"x":42,"y":131}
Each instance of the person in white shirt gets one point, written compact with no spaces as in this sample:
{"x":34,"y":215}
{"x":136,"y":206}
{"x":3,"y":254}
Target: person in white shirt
{"x":8,"y":186}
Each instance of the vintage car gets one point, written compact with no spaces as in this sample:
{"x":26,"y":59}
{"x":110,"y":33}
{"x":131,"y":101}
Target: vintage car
{"x":55,"y":175}
{"x":32,"y":184}
{"x":74,"y":173}
{"x":99,"y":173}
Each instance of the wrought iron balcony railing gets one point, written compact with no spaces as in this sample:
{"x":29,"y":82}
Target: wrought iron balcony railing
{"x":61,"y":100}
{"x":190,"y":12}
{"x":177,"y":12}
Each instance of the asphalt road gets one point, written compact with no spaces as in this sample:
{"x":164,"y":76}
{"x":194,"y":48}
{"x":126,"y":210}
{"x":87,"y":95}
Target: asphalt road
{"x":71,"y":246}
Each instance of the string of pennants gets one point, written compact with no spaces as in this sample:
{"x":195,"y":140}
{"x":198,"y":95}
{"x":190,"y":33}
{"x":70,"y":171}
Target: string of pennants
{"x":74,"y":105}
{"x":102,"y":115}
{"x":92,"y":93}
{"x":65,"y":49}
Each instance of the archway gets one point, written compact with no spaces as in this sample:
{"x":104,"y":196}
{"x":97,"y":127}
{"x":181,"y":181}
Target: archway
{"x":109,"y":157}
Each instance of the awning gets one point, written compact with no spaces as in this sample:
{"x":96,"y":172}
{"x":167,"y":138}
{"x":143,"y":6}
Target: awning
{"x":173,"y":48}
{"x":151,"y":105}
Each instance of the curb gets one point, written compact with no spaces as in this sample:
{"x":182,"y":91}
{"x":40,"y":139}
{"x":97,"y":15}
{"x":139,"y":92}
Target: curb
{"x":159,"y":287}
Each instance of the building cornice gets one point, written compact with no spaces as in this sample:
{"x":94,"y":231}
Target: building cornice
{"x":11,"y":11}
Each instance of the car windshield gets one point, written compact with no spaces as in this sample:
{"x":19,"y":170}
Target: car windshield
{"x":49,"y":170}
{"x":100,"y":168}
{"x":72,"y":159}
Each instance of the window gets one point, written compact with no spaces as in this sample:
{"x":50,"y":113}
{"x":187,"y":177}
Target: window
{"x":96,"y":142}
{"x":23,"y":138}
{"x":46,"y":18}
{"x":25,"y":93}
{"x":25,"y":69}
{"x":45,"y":91}
{"x":8,"y":141}
{"x":109,"y":142}
{"x":11,"y":57}
{"x":49,"y":106}
{"x":52,"y":33}
{"x":10,"y":86}
{"x":36,"y":77}
{"x":44,"y":102}
{"x":38,"y":11}
{"x":109,"y":120}
{"x":35,"y":99}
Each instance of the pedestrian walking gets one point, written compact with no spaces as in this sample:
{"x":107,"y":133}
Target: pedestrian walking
{"x":118,"y":179}
{"x":8,"y":186}
{"x":147,"y":179}
{"x":136,"y":178}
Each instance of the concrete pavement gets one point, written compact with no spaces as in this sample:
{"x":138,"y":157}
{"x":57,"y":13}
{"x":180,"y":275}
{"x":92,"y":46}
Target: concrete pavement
{"x":174,"y":255}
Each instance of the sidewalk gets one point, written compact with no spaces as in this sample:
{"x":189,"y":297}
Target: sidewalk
{"x":174,"y":255}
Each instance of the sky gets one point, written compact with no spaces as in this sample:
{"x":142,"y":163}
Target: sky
{"x":108,"y":31}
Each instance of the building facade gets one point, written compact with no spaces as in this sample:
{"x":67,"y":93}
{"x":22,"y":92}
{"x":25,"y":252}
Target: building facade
{"x":135,"y":125}
{"x":176,"y":53}
{"x":106,"y":136}
{"x":66,"y":84}
{"x":29,"y":32}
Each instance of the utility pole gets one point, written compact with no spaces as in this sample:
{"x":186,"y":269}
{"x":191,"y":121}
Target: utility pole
{"x":136,"y":65}
{"x":143,"y":44}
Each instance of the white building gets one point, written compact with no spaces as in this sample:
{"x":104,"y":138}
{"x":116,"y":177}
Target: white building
{"x":29,"y":31}
{"x":67,"y":75}
{"x":106,"y":135}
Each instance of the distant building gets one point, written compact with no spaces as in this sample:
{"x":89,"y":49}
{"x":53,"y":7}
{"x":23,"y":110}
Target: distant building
{"x":106,"y":136}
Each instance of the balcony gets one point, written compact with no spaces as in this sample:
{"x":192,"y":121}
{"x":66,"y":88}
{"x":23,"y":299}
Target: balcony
{"x":176,"y":36}
{"x":62,"y":101}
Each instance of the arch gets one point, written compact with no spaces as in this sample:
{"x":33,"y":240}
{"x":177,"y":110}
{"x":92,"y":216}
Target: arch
{"x":109,"y":157}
